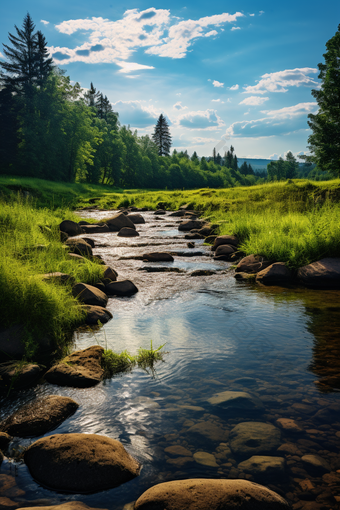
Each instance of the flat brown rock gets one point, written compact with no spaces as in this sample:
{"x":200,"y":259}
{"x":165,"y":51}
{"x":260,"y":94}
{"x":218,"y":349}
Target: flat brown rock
{"x":81,"y":369}
{"x":158,"y":257}
{"x":324,"y":273}
{"x":204,"y":494}
{"x":80,"y":463}
{"x":39,"y":417}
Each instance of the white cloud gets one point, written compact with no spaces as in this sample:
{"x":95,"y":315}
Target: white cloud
{"x":251,"y":14}
{"x":178,"y":106}
{"x":127,"y":67}
{"x":44,"y":21}
{"x":276,"y":123}
{"x":152,"y":29}
{"x":138,"y":114}
{"x":202,"y":141}
{"x":261,"y":12}
{"x":208,"y":120}
{"x":1,"y":55}
{"x":234,"y":87}
{"x":179,"y":94}
{"x":254,"y":100}
{"x":217,"y":101}
{"x":279,"y":81}
{"x":218,"y":83}
{"x":275,"y":156}
{"x":211,"y":33}
{"x":235,"y":28}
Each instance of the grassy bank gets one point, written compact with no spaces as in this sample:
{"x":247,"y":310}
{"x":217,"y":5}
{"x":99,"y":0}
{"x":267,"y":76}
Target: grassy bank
{"x":31,"y":247}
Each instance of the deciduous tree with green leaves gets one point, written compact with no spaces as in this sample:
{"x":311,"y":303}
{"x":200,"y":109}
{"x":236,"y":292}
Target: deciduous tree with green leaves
{"x":324,"y":142}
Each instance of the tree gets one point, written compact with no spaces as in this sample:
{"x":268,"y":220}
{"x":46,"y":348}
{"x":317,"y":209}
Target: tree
{"x":324,"y":142}
{"x":162,"y":137}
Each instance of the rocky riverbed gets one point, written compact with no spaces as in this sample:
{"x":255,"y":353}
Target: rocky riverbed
{"x":244,"y":392}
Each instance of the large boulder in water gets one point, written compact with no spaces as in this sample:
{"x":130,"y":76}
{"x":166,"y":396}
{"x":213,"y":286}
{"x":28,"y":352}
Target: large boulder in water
{"x":121,"y":288}
{"x":210,"y":494}
{"x":275,"y":274}
{"x":81,"y":369}
{"x":252,"y":264}
{"x":118,"y":221}
{"x":89,"y":295}
{"x":323,"y":274}
{"x":40,"y":416}
{"x":158,"y":257}
{"x":70,"y":227}
{"x":80,"y":463}
{"x":227,"y":239}
{"x":128,"y":232}
{"x":136,"y":218}
{"x":190,"y":225}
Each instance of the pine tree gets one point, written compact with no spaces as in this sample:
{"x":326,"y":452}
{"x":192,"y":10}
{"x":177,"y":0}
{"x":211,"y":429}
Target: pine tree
{"x":324,"y":143}
{"x":162,"y":137}
{"x":44,"y":63}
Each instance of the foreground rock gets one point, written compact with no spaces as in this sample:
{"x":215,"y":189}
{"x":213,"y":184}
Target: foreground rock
{"x":70,"y":227}
{"x":95,"y":314}
{"x":323,"y":274}
{"x":262,"y":467}
{"x":39,"y":417}
{"x":80,"y":463}
{"x":81,"y":369}
{"x":121,"y":288}
{"x":254,"y":438}
{"x":224,"y":251}
{"x":110,"y":273}
{"x":70,"y":505}
{"x":190,"y":225}
{"x":252,"y":264}
{"x":236,"y":400}
{"x":80,"y":247}
{"x":274,"y":274}
{"x":316,"y":464}
{"x":158,"y":257}
{"x":137,"y":219}
{"x":118,"y":221}
{"x":203,"y":494}
{"x":89,"y":295}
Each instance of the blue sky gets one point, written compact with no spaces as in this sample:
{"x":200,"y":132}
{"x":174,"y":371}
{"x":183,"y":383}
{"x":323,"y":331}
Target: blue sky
{"x":238,"y":72}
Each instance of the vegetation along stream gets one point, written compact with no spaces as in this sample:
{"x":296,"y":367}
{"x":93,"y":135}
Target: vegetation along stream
{"x":272,"y":345}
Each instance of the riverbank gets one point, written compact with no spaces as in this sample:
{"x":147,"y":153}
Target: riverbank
{"x":296,"y":222}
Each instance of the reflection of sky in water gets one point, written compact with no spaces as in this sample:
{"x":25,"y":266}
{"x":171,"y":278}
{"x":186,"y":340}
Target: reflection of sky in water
{"x":215,"y":330}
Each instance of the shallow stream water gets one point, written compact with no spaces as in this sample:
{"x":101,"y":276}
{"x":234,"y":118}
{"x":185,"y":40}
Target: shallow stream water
{"x":220,"y":334}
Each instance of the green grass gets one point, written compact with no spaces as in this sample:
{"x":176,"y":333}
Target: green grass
{"x":30,"y":247}
{"x":114,"y":363}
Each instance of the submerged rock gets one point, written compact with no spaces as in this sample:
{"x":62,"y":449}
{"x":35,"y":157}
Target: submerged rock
{"x":81,"y":369}
{"x":263,"y":467}
{"x":316,"y":464}
{"x":80,"y":463}
{"x":236,"y":400}
{"x":5,"y":439}
{"x":206,"y":459}
{"x":209,"y":431}
{"x":210,"y":494}
{"x":324,"y":274}
{"x":178,"y":451}
{"x":253,"y":438}
{"x":40,"y":416}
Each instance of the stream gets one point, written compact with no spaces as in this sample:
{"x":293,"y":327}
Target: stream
{"x":219,"y":334}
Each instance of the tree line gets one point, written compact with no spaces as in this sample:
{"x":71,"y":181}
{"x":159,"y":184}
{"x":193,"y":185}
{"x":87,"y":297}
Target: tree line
{"x":51,"y":129}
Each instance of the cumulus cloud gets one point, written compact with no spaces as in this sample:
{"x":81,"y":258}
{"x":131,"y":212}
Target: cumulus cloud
{"x":279,"y":81}
{"x":254,"y":100}
{"x":136,"y":113}
{"x":251,"y":14}
{"x":235,"y":28}
{"x":217,"y":83}
{"x":276,"y":123}
{"x":178,"y":106}
{"x":44,"y":21}
{"x":208,"y":120}
{"x":217,"y":101}
{"x":155,"y":30}
{"x":234,"y":87}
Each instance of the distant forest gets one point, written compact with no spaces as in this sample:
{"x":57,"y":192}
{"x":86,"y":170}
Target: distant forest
{"x":53,"y":130}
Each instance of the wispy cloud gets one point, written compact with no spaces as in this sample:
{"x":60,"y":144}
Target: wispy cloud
{"x":254,"y":100}
{"x":217,"y":83}
{"x":235,"y":28}
{"x":234,"y":87}
{"x":44,"y":21}
{"x":217,"y":101}
{"x":153,"y":30}
{"x":281,"y":80}
{"x":208,"y":120}
{"x":178,"y":106}
{"x":276,"y":123}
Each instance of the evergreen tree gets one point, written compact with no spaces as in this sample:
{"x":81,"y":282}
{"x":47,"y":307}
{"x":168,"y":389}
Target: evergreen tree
{"x":44,"y":63}
{"x":324,"y":142}
{"x":214,"y":155}
{"x":162,"y":137}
